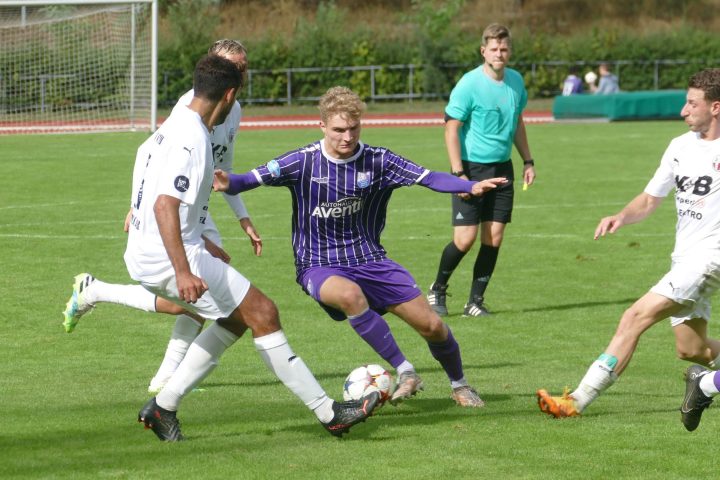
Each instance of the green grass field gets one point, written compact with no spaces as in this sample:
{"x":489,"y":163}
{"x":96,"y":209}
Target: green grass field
{"x":69,"y":403}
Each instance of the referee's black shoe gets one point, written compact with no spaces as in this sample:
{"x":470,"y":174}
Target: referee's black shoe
{"x":437,"y":298}
{"x":475,"y":309}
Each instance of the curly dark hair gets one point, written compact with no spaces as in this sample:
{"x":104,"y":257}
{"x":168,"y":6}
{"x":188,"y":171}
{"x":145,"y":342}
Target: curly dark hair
{"x":708,"y":81}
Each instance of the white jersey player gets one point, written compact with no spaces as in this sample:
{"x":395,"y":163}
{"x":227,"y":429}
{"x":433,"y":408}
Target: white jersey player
{"x":691,"y":166}
{"x":88,"y":291}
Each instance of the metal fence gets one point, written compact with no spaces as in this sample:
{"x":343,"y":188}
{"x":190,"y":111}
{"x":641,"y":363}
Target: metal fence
{"x":290,"y":85}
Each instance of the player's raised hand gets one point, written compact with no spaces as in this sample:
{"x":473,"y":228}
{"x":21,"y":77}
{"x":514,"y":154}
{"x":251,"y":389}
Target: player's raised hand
{"x":483,"y":186}
{"x":221,"y":181}
{"x":608,"y":225}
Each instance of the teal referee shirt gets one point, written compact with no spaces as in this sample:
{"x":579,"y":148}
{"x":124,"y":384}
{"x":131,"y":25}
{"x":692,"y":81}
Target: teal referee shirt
{"x":489,"y":111}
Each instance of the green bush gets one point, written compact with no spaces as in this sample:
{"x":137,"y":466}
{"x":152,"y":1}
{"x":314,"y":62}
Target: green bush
{"x":441,"y":54}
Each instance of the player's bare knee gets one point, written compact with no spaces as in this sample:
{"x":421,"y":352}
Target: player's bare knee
{"x":432,"y":329}
{"x":258,"y":313}
{"x":464,"y":244}
{"x":265,"y":315}
{"x":351,"y":299}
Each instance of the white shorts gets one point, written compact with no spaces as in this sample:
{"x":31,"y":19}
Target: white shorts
{"x":226,"y":286}
{"x":691,"y":284}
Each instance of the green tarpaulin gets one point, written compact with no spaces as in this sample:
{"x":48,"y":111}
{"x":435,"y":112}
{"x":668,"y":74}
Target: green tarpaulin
{"x":651,"y":104}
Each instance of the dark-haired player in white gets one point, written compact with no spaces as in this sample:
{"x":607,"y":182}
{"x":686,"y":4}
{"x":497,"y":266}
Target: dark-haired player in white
{"x":690,"y":166}
{"x":89,"y":291}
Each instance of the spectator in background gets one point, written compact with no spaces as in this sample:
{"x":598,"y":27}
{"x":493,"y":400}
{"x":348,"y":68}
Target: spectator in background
{"x":573,"y":83}
{"x":608,"y":81}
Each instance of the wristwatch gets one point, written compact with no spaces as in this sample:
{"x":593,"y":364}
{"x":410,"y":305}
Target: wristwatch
{"x":458,"y":174}
{"x":530,"y":162}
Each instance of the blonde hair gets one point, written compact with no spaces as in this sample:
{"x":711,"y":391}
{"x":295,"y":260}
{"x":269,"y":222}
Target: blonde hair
{"x":341,"y":101}
{"x":497,"y":32}
{"x":227,"y":46}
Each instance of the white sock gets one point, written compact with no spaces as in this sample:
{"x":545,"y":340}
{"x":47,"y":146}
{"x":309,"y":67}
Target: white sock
{"x":292,"y":371}
{"x":134,"y":296}
{"x":404,"y":367}
{"x":184,"y":333}
{"x":201,"y":358}
{"x":598,"y":378}
{"x":707,"y":384}
{"x":458,"y":383}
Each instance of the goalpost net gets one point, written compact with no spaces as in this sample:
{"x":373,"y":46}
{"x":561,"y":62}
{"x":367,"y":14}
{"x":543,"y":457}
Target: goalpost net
{"x":74,"y":66}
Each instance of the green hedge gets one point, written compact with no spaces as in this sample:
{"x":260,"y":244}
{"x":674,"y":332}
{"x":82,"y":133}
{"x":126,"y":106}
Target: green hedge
{"x":425,"y":38}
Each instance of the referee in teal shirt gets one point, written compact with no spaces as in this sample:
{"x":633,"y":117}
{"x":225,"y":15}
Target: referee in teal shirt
{"x":483,"y":119}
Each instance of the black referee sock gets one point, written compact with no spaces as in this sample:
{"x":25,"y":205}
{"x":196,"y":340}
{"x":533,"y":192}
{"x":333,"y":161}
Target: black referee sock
{"x":482,"y":271}
{"x":449,"y":260}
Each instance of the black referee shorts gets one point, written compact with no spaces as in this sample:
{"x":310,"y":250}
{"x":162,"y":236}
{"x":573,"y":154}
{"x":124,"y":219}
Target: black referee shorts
{"x":495,"y":206}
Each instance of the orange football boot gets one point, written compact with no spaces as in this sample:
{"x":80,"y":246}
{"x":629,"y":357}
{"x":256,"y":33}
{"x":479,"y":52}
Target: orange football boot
{"x":558,"y":407}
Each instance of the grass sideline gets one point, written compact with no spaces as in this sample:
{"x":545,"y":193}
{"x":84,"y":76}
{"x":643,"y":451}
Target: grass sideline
{"x":70,"y":402}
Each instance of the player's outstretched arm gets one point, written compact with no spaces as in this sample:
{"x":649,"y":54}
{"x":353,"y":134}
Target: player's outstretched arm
{"x":637,"y":210}
{"x":444,"y":182}
{"x":234,"y":183}
{"x":484,"y":186}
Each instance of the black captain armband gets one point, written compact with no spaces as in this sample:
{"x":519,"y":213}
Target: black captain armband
{"x":530,"y":162}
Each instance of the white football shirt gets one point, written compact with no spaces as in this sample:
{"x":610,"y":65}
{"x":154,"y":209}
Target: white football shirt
{"x":176,"y":161}
{"x":692,"y":166}
{"x":223,"y":145}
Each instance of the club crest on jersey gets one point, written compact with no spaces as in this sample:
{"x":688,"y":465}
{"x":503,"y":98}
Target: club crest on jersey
{"x":274,"y":168}
{"x":182,"y":183}
{"x":363,"y":179}
{"x":716,"y":163}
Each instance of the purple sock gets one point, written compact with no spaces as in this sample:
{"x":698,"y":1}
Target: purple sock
{"x":716,"y":379}
{"x":376,"y":332}
{"x":448,"y":354}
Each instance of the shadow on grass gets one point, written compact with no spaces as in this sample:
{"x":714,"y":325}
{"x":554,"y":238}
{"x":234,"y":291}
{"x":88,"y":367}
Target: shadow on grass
{"x":411,"y":413}
{"x":551,"y":308}
{"x":340,"y":376}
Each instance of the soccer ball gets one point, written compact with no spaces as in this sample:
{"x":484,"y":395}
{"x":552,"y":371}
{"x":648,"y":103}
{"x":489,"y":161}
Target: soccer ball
{"x":367,"y":379}
{"x":590,"y":77}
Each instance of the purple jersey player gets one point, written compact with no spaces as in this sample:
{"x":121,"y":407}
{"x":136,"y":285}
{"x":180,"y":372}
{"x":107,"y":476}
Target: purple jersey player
{"x":340,"y":189}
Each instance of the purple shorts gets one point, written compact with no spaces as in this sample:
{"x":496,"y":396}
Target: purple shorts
{"x":384,"y":283}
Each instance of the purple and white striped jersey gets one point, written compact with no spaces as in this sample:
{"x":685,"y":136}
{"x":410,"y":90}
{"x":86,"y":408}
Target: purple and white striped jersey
{"x":339,"y":205}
